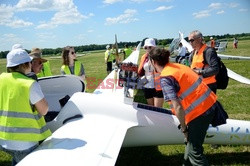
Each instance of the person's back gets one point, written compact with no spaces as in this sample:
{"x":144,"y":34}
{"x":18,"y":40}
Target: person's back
{"x":23,"y":105}
{"x":127,"y":51}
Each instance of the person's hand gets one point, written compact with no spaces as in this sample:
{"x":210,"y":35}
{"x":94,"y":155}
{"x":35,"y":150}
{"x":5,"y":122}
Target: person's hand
{"x":197,"y":71}
{"x":186,"y":138}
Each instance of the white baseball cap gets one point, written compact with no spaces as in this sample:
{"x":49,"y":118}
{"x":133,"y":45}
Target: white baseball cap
{"x":16,"y":57}
{"x":108,"y":46}
{"x":149,"y":42}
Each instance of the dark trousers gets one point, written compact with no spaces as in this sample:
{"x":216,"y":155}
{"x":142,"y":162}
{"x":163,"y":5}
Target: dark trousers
{"x":197,"y":130}
{"x":213,"y":87}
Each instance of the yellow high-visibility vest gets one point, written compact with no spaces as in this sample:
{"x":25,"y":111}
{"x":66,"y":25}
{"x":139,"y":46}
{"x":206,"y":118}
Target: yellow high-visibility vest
{"x":46,"y":71}
{"x":77,"y":68}
{"x":17,"y":119}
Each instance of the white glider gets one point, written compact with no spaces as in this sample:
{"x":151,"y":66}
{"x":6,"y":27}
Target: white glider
{"x":92,"y":127}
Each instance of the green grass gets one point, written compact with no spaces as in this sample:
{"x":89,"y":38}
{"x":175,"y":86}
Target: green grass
{"x":235,"y":99}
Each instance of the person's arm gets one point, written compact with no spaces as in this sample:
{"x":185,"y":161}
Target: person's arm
{"x":170,"y":87}
{"x":212,"y":60}
{"x":82,"y":73}
{"x":180,"y":114}
{"x":42,"y":106}
{"x":37,"y":99}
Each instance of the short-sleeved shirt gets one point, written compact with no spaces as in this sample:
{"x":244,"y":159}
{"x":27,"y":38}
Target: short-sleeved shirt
{"x":170,"y":88}
{"x":149,"y":74}
{"x":35,"y":96}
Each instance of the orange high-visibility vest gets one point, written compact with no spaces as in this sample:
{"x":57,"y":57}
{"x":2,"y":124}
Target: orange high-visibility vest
{"x":195,"y":96}
{"x":197,"y":63}
{"x":141,"y":72}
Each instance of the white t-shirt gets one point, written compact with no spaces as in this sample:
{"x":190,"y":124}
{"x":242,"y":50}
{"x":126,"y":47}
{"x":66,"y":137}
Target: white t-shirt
{"x":36,"y":95}
{"x":182,"y":51}
{"x":149,"y":74}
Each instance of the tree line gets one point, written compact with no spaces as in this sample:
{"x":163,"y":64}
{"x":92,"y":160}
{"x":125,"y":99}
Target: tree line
{"x":159,"y":42}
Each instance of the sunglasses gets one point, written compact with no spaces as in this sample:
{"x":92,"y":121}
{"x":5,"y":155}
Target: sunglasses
{"x":72,"y":52}
{"x":149,"y":47}
{"x":191,"y":40}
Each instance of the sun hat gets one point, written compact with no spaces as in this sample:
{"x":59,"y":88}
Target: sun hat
{"x":149,"y":42}
{"x":17,"y":56}
{"x":108,"y":46}
{"x":36,"y":53}
{"x":16,"y":46}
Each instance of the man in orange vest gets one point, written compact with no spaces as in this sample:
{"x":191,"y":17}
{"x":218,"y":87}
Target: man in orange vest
{"x":204,"y":60}
{"x":191,"y":100}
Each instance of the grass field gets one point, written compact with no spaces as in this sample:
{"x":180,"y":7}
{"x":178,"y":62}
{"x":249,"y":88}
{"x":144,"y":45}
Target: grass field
{"x":235,"y":99}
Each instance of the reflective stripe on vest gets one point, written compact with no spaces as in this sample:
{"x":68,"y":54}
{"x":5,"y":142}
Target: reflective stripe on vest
{"x":45,"y":72}
{"x":77,"y":69}
{"x":197,"y":63}
{"x":157,"y":80}
{"x":195,"y":96}
{"x":17,"y":120}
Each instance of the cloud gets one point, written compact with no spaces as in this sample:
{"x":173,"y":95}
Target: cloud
{"x":18,"y":23}
{"x":220,"y":12}
{"x":8,"y":38}
{"x":65,"y":13}
{"x":202,"y":14}
{"x":243,"y":10}
{"x":126,"y":17}
{"x":233,"y":5}
{"x":161,"y":8}
{"x":138,"y":1}
{"x":163,"y":0}
{"x":45,"y":36}
{"x":215,"y":5}
{"x":111,"y":1}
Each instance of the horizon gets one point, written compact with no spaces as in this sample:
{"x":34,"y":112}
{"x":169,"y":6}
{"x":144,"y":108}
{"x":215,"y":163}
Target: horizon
{"x":56,"y":24}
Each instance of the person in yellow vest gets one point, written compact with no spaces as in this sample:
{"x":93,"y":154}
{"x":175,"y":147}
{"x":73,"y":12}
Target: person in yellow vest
{"x":70,"y":64}
{"x":191,"y":100}
{"x":109,"y":57}
{"x":152,"y":90}
{"x":22,"y":107}
{"x":127,"y":51}
{"x":204,"y":60}
{"x":37,"y":65}
{"x":45,"y":71}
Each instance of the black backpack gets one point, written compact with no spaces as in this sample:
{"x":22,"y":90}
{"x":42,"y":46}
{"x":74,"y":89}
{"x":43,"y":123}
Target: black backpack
{"x":222,"y":77}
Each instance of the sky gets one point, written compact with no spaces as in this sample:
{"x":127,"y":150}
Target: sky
{"x":59,"y":23}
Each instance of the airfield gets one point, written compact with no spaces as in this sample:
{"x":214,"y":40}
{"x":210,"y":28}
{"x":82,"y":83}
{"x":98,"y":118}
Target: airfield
{"x":235,"y":99}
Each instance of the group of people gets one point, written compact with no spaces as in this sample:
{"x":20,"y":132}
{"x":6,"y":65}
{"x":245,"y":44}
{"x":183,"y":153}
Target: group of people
{"x":110,"y":56}
{"x":190,"y":91}
{"x":22,"y":126}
